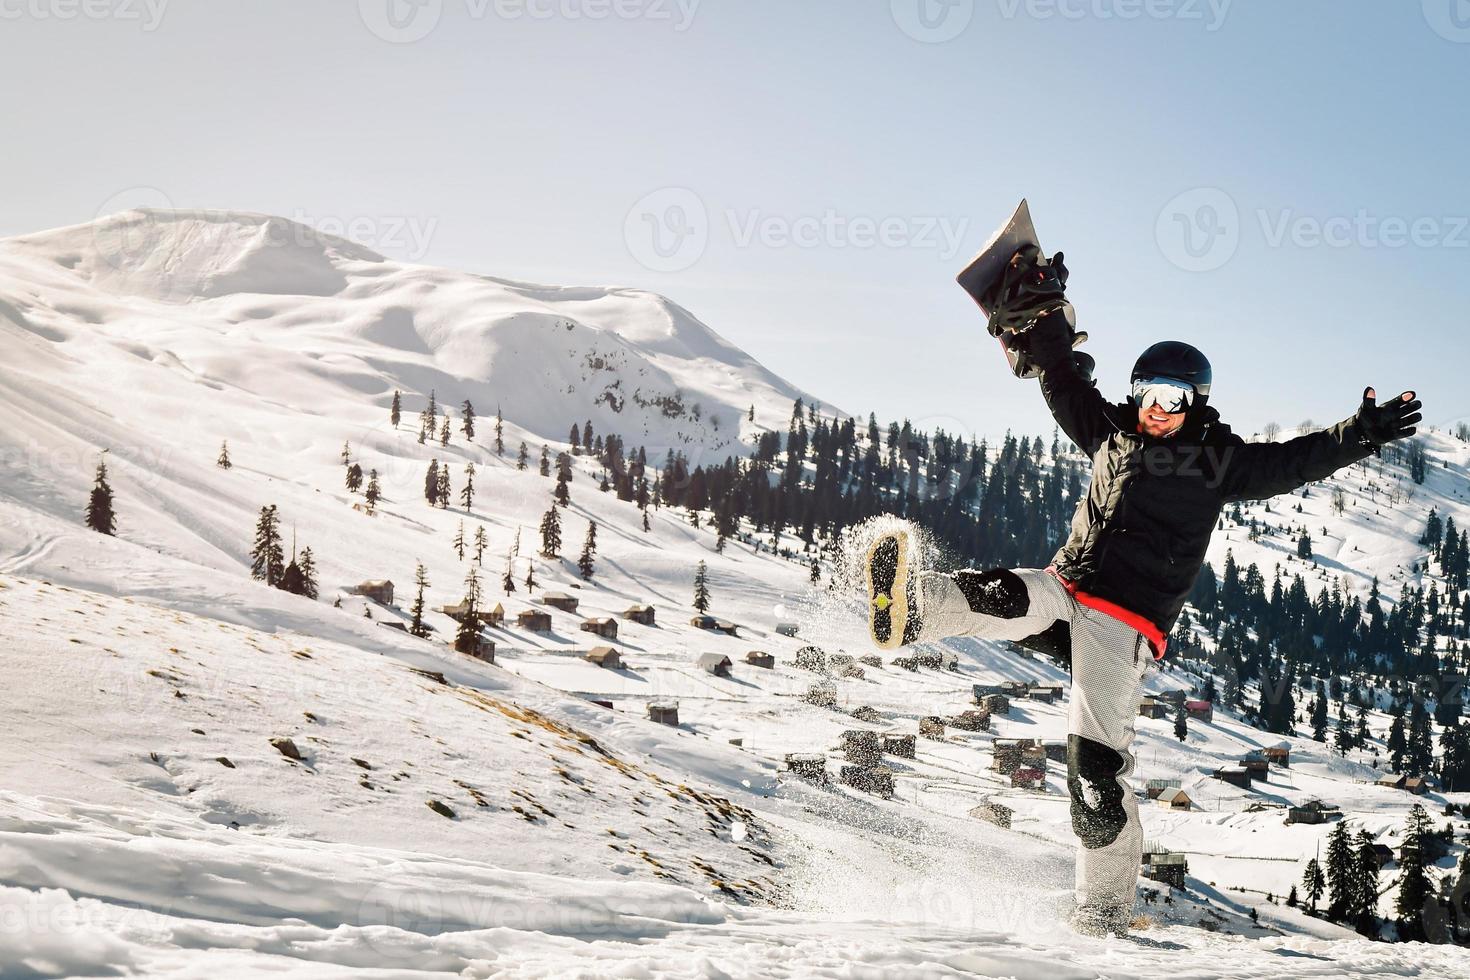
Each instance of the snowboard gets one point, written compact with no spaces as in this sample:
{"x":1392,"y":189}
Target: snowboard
{"x":1013,"y":282}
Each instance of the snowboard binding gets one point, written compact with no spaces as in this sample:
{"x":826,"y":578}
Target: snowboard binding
{"x":1031,"y":287}
{"x":893,"y":616}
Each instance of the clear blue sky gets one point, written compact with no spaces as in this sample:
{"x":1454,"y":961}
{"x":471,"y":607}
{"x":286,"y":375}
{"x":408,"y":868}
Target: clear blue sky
{"x":518,"y":138}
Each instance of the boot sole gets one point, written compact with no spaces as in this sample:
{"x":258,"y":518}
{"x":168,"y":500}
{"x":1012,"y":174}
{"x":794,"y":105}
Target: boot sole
{"x":889,"y":600}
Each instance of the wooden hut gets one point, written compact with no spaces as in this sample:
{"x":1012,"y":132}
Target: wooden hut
{"x":996,"y":813}
{"x":1152,"y":708}
{"x":786,"y":629}
{"x":603,"y":626}
{"x":714,"y":663}
{"x":863,"y":746}
{"x":378,"y":590}
{"x":1028,"y":777}
{"x":560,"y":600}
{"x":866,"y":712}
{"x":1167,"y":867}
{"x":1046,"y":693}
{"x":902,"y":746}
{"x":759,"y":658}
{"x":1312,"y":812}
{"x":971,"y":720}
{"x":811,"y":658}
{"x":807,"y":765}
{"x":639,"y":613}
{"x":1278,"y":755}
{"x":877,"y":780}
{"x":932,"y":727}
{"x":1157,"y":787}
{"x":534,"y":620}
{"x":995,"y":704}
{"x":1234,"y":775}
{"x":605,"y":657}
{"x":664,"y":713}
{"x":1203,"y":710}
{"x":1174,"y":799}
{"x":823,"y":694}
{"x":871,"y":660}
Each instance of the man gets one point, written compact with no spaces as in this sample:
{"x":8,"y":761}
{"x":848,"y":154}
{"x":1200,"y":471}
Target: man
{"x":1163,"y":467}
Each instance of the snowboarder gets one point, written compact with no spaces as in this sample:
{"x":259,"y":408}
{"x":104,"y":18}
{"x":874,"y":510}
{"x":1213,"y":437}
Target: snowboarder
{"x":1163,"y":467}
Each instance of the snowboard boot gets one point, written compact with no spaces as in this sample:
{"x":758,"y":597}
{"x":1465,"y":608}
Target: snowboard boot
{"x":893,"y":615}
{"x":1101,"y":921}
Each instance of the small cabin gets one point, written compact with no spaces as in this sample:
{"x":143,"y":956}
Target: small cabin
{"x":996,"y":813}
{"x":811,"y":658}
{"x":1151,"y":708}
{"x":995,"y":704}
{"x":1235,"y":776}
{"x":1256,"y":764}
{"x":494,"y":616}
{"x":1156,"y":787}
{"x":932,"y":727}
{"x":868,"y":713}
{"x":534,"y":620}
{"x":1417,"y":785}
{"x":1046,"y":693}
{"x":715,"y":663}
{"x":1010,"y":754}
{"x":902,"y":746}
{"x":1055,"y":749}
{"x":1166,"y":867}
{"x":823,"y":694}
{"x":603,"y":626}
{"x":907,"y":663}
{"x":786,"y":629}
{"x":871,"y":660}
{"x":877,"y":780}
{"x":560,"y":600}
{"x":863,"y":746}
{"x":1203,"y":710}
{"x":1014,"y":689}
{"x":478,"y":647}
{"x":605,"y":657}
{"x":1382,"y":853}
{"x":1313,"y":811}
{"x":810,"y":766}
{"x":1027,"y":777}
{"x":378,"y":590}
{"x":714,"y":625}
{"x":984,"y":690}
{"x":640,"y":614}
{"x":971,"y":720}
{"x":1391,"y":781}
{"x":1174,"y":799}
{"x":759,"y":658}
{"x":664,"y":714}
{"x":1278,"y":755}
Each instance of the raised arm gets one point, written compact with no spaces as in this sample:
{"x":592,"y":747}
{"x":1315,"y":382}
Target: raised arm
{"x":1081,"y":411}
{"x":1254,"y":471}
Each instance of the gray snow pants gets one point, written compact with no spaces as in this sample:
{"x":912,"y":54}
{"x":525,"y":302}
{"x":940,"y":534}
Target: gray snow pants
{"x":1109,"y":661}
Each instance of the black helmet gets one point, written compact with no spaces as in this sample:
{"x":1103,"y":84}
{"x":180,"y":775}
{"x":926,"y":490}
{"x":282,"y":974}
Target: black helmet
{"x":1176,"y":361}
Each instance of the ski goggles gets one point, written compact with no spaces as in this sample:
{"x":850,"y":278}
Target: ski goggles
{"x":1169,"y":395}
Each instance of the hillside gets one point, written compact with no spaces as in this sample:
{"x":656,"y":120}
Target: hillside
{"x":574,"y":838}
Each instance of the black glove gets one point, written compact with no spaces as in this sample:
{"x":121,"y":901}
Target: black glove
{"x":1380,"y":424}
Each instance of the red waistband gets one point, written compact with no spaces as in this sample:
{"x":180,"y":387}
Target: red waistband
{"x":1155,"y":636}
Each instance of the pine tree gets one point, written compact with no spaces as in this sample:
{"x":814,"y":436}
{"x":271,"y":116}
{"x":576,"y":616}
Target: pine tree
{"x":1398,"y":742}
{"x":1365,"y":885}
{"x":100,"y":515}
{"x":346,"y":453}
{"x":1304,"y":546}
{"x":395,"y":413}
{"x":467,"y":416}
{"x":431,"y":483}
{"x":354,"y":478}
{"x":1314,"y":884}
{"x":373,"y":493}
{"x":545,"y":467}
{"x":561,"y":494}
{"x":575,"y":438}
{"x":530,"y":576}
{"x":468,"y":635}
{"x":508,"y":579}
{"x":444,"y":430}
{"x":1339,"y":872}
{"x":589,"y":552}
{"x":701,"y":588}
{"x":1181,"y":724}
{"x":481,"y":543}
{"x":1415,"y":889}
{"x":1420,"y":756}
{"x":522,"y":457}
{"x":551,"y":533}
{"x":467,"y":495}
{"x":815,"y":575}
{"x":421,"y":582}
{"x":1319,"y":714}
{"x":223,"y":462}
{"x":267,"y":561}
{"x":646,"y":526}
{"x":500,"y":434}
{"x":445,"y":492}
{"x":458,"y":542}
{"x":307,"y":565}
{"x":1342,"y":739}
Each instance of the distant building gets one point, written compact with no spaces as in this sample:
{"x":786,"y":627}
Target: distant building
{"x":787,"y":629}
{"x":1010,"y":754}
{"x":1028,"y":777}
{"x":971,"y":720}
{"x":1392,"y":781}
{"x":1278,"y":755}
{"x":559,"y":600}
{"x":1151,"y":708}
{"x":641,"y":614}
{"x":811,"y":658}
{"x":378,"y":590}
{"x":759,"y":658}
{"x":1417,"y":785}
{"x":867,"y":713}
{"x":604,"y":626}
{"x":714,"y":663}
{"x":534,"y":620}
{"x":1014,"y":689}
{"x":1046,"y":693}
{"x":862,"y":746}
{"x":907,"y":663}
{"x":823,"y":694}
{"x":996,"y":813}
{"x":664,"y":714}
{"x":1175,"y":799}
{"x":1056,"y":750}
{"x":808,"y":766}
{"x":871,"y":660}
{"x":605,"y":657}
{"x":1156,"y":787}
{"x":1166,"y":867}
{"x":995,"y":704}
{"x":932,"y":727}
{"x":1203,"y":710}
{"x":484,"y":649}
{"x":1235,"y":776}
{"x":714,"y":625}
{"x":980,"y":691}
{"x":877,"y":780}
{"x":902,"y":746}
{"x":1313,"y":811}
{"x":1256,"y":764}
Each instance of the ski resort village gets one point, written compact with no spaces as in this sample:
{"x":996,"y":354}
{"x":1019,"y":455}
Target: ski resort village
{"x":371,"y":618}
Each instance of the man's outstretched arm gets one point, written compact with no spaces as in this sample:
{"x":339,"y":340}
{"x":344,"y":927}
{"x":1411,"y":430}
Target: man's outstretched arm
{"x":1255,"y":471}
{"x":1083,"y":414}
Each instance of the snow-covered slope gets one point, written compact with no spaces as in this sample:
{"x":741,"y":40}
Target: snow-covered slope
{"x":579,"y":840}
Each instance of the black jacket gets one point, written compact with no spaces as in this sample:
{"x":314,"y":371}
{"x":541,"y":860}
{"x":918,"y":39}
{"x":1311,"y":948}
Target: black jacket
{"x":1139,"y":537}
